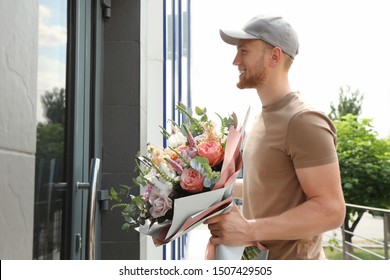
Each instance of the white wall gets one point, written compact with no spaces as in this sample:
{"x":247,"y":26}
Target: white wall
{"x":18,"y":87}
{"x":151,"y":91}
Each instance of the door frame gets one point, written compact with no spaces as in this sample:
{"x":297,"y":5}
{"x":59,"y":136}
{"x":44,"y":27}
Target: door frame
{"x":83,"y":118}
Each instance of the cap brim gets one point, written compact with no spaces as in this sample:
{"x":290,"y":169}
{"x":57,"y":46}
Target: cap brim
{"x":233,"y":36}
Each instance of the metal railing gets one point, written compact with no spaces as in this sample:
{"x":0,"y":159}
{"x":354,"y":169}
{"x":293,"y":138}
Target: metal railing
{"x":363,"y":245}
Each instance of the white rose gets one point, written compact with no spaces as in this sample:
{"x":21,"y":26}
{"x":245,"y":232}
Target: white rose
{"x":177,"y":139}
{"x":152,"y":173}
{"x":164,"y":187}
{"x":167,"y":170}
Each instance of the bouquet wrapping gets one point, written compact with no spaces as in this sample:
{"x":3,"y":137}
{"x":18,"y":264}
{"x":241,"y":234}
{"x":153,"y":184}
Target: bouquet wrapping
{"x":255,"y":251}
{"x":190,"y":211}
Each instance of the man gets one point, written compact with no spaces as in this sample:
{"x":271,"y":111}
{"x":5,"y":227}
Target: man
{"x":291,"y":187}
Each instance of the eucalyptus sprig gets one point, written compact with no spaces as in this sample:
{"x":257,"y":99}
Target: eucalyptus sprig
{"x":132,"y":211}
{"x":210,"y":177}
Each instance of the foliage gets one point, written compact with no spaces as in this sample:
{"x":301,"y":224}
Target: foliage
{"x":50,"y":141}
{"x":350,"y":102}
{"x":50,"y":135}
{"x":364,"y":159}
{"x":364,"y":162}
{"x":54,"y":105}
{"x":365,"y":168}
{"x":194,"y":124}
{"x":363,"y":255}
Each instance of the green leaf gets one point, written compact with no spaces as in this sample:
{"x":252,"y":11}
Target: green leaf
{"x":113,"y":195}
{"x":201,"y":160}
{"x":181,"y":107}
{"x":348,"y":186}
{"x":123,"y":205}
{"x":164,"y":132}
{"x":204,"y":118}
{"x":199,"y":111}
{"x":126,"y":226}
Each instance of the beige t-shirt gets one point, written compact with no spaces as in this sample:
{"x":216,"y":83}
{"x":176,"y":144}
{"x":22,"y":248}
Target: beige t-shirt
{"x":285,"y":136}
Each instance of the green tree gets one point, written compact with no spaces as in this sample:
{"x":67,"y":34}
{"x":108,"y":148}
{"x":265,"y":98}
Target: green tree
{"x":350,"y":102}
{"x":50,"y":135}
{"x":54,"y":105}
{"x":50,"y":141}
{"x":49,"y":169}
{"x":364,"y":166}
{"x":364,"y":159}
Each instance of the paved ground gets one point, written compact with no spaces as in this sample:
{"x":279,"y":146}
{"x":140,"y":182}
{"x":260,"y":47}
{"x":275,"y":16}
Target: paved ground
{"x":369,"y":226}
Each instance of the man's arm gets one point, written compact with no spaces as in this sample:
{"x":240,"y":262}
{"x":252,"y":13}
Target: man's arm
{"x":238,"y":185}
{"x":323,"y":210}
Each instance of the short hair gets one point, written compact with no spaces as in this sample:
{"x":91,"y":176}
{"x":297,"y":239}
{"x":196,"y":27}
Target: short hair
{"x":288,"y":59}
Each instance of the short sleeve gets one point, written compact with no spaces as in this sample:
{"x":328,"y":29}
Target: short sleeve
{"x":311,"y":140}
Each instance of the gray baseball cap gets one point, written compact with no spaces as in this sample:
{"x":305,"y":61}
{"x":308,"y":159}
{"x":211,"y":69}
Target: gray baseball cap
{"x":273,"y":30}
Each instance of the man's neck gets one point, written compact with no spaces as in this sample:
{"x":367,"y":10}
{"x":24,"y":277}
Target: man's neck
{"x":275,"y":86}
{"x":269,"y":95}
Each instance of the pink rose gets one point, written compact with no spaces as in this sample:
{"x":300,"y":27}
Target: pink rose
{"x":160,"y":204}
{"x":212,"y":150}
{"x":191,"y":180}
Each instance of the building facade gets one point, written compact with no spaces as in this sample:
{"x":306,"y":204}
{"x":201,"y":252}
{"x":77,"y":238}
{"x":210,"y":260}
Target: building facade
{"x":71,"y":133}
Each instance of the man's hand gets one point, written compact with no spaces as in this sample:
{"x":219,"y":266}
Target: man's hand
{"x":230,"y":229}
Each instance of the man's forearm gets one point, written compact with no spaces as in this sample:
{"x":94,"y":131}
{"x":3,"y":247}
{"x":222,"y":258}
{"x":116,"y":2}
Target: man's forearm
{"x":310,"y":218}
{"x":238,"y":186}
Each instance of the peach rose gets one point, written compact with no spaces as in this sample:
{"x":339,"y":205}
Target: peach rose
{"x":212,"y":150}
{"x":191,"y":180}
{"x":179,"y":150}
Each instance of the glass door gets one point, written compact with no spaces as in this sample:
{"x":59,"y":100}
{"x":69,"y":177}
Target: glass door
{"x":68,"y":130}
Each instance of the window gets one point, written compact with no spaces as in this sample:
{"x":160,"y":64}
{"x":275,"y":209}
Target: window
{"x":176,"y":79}
{"x":48,"y":205}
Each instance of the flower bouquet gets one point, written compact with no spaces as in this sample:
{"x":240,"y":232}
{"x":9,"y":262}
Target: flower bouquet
{"x":186,"y":182}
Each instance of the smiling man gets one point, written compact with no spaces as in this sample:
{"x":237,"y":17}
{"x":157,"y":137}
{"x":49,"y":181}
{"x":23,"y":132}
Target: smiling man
{"x":291,"y":187}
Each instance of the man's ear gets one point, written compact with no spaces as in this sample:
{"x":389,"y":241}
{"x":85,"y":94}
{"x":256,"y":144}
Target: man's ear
{"x":276,"y":56}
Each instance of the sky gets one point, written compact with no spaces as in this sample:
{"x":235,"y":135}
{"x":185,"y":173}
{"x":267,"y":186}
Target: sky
{"x":51,"y":48}
{"x":342,"y":43}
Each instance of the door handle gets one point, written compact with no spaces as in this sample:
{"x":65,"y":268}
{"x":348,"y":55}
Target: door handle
{"x":91,"y":211}
{"x":91,"y":215}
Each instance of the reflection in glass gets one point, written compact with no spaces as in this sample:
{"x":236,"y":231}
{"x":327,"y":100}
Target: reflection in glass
{"x":177,"y":52}
{"x":176,"y":80}
{"x":49,"y":167}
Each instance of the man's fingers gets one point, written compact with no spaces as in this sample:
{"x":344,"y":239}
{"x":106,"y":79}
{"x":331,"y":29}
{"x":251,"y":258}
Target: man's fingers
{"x":213,"y":220}
{"x":214,"y":226}
{"x":215,"y":240}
